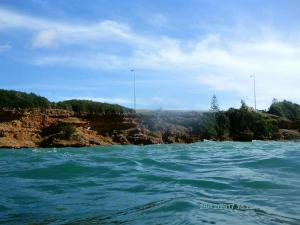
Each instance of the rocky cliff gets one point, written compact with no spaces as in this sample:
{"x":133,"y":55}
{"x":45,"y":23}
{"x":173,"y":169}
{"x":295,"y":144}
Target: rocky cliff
{"x":62,"y":128}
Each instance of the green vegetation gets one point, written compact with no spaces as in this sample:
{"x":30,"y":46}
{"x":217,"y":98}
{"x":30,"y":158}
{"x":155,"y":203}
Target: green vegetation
{"x":285,"y":109}
{"x":247,"y":124}
{"x":222,"y":125}
{"x":91,"y":107}
{"x":22,"y":100}
{"x":289,"y":111}
{"x":214,"y":124}
{"x":208,"y":126}
{"x":214,"y":107}
{"x":241,"y":124}
{"x":16,"y":99}
{"x":63,"y":130}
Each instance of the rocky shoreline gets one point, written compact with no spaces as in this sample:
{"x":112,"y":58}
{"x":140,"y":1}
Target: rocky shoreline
{"x":22,"y":128}
{"x":27,"y":129}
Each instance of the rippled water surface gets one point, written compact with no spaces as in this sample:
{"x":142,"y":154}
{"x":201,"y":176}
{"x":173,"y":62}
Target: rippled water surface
{"x":201,"y":183}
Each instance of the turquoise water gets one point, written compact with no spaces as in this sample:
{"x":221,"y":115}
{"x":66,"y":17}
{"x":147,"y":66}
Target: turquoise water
{"x":201,"y":183}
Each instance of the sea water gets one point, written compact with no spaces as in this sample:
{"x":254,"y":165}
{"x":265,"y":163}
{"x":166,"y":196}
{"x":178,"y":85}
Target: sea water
{"x":200,"y":183}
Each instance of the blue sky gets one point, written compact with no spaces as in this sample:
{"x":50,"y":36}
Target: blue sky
{"x":183,"y":51}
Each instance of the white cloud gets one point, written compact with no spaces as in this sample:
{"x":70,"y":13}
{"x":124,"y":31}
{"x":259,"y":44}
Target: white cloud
{"x":4,"y":47}
{"x":219,"y":62}
{"x":46,"y":38}
{"x":66,"y":33}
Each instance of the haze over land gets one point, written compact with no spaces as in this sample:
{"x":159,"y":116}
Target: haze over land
{"x":183,"y":51}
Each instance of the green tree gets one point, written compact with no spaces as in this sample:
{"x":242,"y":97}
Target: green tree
{"x":244,"y":121}
{"x":243,"y":105}
{"x":17,"y":99}
{"x":214,"y":107}
{"x":91,"y":107}
{"x":207,"y":126}
{"x":222,"y":124}
{"x":275,"y":100}
{"x":285,"y":109}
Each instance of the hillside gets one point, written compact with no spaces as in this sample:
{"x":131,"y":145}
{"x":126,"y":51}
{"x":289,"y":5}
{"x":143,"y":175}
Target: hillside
{"x":28,"y":120}
{"x":11,"y":99}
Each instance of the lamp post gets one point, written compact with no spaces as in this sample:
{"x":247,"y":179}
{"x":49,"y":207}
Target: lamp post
{"x":134,"y":98}
{"x":254,"y":90}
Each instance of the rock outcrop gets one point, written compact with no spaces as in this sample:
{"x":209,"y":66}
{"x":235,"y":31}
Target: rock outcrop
{"x":25,"y":129}
{"x":285,"y":134}
{"x":22,"y":128}
{"x":62,"y":128}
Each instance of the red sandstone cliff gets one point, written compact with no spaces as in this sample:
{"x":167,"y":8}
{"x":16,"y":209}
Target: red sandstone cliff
{"x":21,"y":128}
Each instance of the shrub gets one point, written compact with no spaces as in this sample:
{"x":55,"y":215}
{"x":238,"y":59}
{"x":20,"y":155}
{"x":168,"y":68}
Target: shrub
{"x":263,"y":128}
{"x":242,"y":120}
{"x":91,"y":107}
{"x":285,"y":109}
{"x":213,"y":125}
{"x":16,"y":99}
{"x":62,"y":129}
{"x":207,"y":125}
{"x":222,"y":124}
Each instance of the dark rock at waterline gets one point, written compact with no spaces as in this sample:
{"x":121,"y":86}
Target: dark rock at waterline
{"x":285,"y":134}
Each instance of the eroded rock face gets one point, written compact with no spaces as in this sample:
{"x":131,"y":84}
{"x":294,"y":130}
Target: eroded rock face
{"x":26,"y":129}
{"x":289,"y":134}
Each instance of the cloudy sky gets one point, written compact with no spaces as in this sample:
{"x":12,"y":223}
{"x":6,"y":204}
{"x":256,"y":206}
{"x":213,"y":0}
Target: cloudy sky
{"x":183,"y":51}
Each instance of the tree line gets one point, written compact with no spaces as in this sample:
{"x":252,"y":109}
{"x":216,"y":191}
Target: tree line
{"x":20,"y":100}
{"x":243,"y":123}
{"x":247,"y":124}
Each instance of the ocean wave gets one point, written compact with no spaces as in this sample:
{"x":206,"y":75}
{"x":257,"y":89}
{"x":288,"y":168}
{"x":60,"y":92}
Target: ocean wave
{"x":159,"y":184}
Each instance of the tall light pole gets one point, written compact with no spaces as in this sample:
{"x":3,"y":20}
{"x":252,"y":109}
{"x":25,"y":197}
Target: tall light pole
{"x":254,"y":90}
{"x":134,"y":98}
